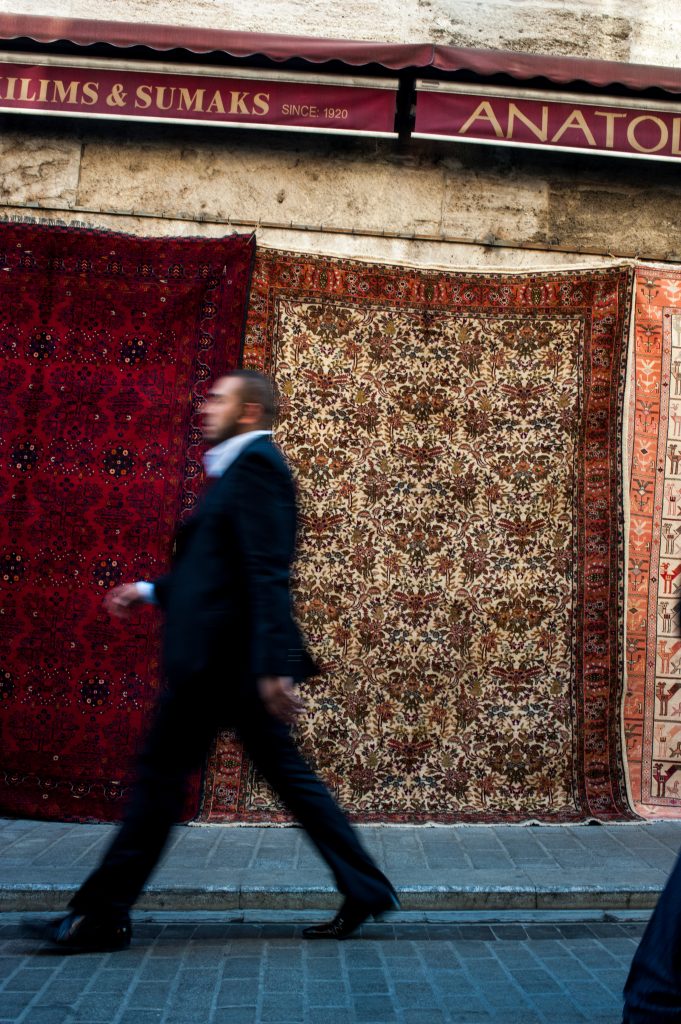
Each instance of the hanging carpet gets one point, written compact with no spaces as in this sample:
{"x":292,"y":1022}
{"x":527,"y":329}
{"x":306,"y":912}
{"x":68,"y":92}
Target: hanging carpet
{"x":456,"y":440}
{"x":652,"y":705}
{"x":106,"y":342}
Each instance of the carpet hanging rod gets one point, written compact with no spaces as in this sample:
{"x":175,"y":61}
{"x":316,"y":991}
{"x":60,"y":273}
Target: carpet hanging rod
{"x":489,"y":241}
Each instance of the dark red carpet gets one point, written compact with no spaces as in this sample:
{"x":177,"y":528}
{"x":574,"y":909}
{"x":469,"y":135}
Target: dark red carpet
{"x":106,"y":344}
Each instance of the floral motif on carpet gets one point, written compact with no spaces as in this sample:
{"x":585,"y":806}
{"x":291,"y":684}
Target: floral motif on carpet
{"x":456,"y":440}
{"x":106,"y":342}
{"x":652,"y":704}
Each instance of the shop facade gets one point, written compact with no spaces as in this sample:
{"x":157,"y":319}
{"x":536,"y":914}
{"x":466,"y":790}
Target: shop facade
{"x":448,"y":243}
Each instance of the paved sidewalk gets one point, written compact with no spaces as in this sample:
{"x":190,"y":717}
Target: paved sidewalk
{"x":178,"y":971}
{"x":433,"y":868}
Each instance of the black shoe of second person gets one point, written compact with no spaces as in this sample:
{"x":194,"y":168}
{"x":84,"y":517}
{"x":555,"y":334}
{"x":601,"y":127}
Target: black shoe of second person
{"x":351,"y":915}
{"x":82,"y":933}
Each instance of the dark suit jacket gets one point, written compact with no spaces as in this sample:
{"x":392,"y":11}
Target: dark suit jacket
{"x":226,"y":598}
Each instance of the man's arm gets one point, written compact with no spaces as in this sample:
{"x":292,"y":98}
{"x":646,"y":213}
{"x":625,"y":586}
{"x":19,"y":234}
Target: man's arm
{"x":265,"y":530}
{"x":161,"y":586}
{"x":265,"y":526}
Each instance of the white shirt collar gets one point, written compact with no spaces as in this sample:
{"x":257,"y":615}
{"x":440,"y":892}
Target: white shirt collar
{"x":216,"y":460}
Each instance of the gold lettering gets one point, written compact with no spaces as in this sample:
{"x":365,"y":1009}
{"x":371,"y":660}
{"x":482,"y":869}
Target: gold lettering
{"x":190,"y":102}
{"x":11,"y":82}
{"x":261,"y":103}
{"x":238,"y":105}
{"x":216,"y":105}
{"x":676,"y":136}
{"x":635,"y":144}
{"x":514,"y":113}
{"x":45,"y":83}
{"x":65,"y":94}
{"x":90,"y":93}
{"x":483,"y":112}
{"x":143,"y":97}
{"x":26,"y":84}
{"x":575,"y":122}
{"x":160,"y":96}
{"x":610,"y":117}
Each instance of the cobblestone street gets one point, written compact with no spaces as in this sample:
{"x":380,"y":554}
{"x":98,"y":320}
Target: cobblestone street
{"x":195,"y":969}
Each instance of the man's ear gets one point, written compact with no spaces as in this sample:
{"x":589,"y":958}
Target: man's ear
{"x":251,"y":413}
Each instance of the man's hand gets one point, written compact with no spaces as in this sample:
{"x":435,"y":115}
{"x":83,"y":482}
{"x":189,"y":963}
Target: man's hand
{"x":119,"y":601}
{"x":280,"y":698}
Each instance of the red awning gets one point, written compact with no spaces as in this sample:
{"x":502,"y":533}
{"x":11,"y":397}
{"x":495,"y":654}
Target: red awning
{"x":395,"y":56}
{"x":207,"y":40}
{"x":562,"y":70}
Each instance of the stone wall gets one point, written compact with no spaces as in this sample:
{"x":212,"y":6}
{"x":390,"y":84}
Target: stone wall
{"x":466,"y":205}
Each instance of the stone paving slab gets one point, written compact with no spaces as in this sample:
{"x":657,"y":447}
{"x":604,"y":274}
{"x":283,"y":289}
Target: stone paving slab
{"x":212,"y":971}
{"x":439,"y":867}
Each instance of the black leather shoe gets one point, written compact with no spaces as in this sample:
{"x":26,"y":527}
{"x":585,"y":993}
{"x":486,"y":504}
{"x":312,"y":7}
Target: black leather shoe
{"x":82,"y":933}
{"x":349,"y":918}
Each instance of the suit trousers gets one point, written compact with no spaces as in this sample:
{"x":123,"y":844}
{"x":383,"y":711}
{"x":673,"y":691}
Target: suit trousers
{"x":177,"y":745}
{"x":652,"y":993}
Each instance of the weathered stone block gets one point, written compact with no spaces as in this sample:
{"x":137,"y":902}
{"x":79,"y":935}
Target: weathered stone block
{"x":36,"y":168}
{"x":311,"y":185}
{"x":478,"y":205}
{"x":621,"y":219}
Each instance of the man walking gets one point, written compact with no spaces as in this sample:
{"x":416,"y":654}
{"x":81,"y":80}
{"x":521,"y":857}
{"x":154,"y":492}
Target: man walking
{"x":232,"y":654}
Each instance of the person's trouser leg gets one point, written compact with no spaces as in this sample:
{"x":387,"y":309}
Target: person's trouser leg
{"x":177,"y":744}
{"x":272,"y":750}
{"x":652,"y":993}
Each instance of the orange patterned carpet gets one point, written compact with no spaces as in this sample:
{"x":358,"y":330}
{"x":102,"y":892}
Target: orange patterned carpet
{"x":652,"y":705}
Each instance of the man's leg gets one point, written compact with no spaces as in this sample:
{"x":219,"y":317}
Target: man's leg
{"x":176,"y":745}
{"x":271,"y":748}
{"x":652,"y":994}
